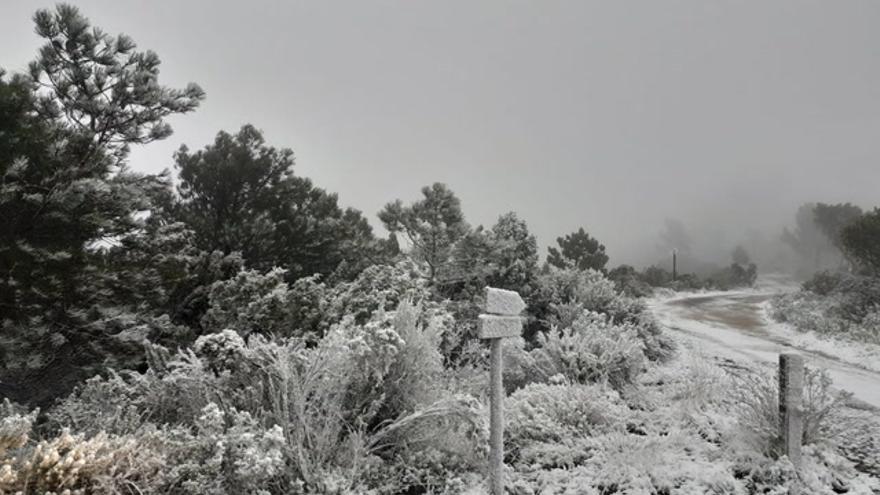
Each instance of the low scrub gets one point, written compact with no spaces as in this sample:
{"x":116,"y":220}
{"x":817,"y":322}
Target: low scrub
{"x":734,"y":276}
{"x":757,"y":405}
{"x":292,"y":418}
{"x":565,"y":294}
{"x":591,"y":350}
{"x":666,"y":437}
{"x":836,"y":304}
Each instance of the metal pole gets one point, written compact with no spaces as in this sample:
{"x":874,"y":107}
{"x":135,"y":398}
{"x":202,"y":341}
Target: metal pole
{"x":496,"y":421}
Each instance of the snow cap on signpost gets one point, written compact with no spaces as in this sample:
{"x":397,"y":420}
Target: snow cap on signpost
{"x":503,"y":307}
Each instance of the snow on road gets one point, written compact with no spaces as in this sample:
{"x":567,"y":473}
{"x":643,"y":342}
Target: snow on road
{"x":735,"y":325}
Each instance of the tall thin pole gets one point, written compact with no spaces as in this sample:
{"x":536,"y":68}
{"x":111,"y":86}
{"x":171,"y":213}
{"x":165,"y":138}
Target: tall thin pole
{"x":674,"y":265}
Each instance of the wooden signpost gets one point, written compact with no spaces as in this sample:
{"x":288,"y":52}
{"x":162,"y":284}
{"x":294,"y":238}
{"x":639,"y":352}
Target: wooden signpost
{"x":503,"y":308}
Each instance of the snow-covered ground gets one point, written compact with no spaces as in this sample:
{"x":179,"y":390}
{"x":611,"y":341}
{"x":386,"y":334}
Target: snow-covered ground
{"x":735,"y":325}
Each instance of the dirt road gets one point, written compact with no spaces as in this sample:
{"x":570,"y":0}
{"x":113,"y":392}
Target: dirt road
{"x":733,"y":325}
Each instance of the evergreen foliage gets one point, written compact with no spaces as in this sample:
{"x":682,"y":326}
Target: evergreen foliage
{"x":861,"y":241}
{"x":240,"y":195}
{"x":578,"y":250}
{"x":432,"y":225}
{"x":65,"y":193}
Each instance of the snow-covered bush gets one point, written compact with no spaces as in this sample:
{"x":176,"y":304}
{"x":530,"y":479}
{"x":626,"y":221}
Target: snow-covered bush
{"x":671,"y":463}
{"x":224,"y":452}
{"x":587,"y":288}
{"x":115,"y":404}
{"x":366,"y":395}
{"x":856,"y":295}
{"x":757,"y":407}
{"x":75,"y":463}
{"x":252,"y":302}
{"x":549,"y":425}
{"x":809,"y":312}
{"x":806,"y":312}
{"x":861,"y":444}
{"x":839,"y":304}
{"x":630,"y":282}
{"x":619,"y":462}
{"x":564,"y":294}
{"x":377,"y":287}
{"x":823,"y":470}
{"x":733,"y":276}
{"x":396,"y":362}
{"x":15,"y":427}
{"x":591,"y":350}
{"x":264,"y":303}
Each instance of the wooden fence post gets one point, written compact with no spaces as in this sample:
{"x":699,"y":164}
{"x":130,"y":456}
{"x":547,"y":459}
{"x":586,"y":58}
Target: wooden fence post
{"x":502,"y":321}
{"x":791,"y":389}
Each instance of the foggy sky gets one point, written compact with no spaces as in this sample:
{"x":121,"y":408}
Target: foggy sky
{"x":608,"y":115}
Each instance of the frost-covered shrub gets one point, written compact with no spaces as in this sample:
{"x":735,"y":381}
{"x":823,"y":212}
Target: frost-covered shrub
{"x":756,"y":399}
{"x":564,"y":294}
{"x":671,"y":463}
{"x":395,"y":360}
{"x":365,"y":391}
{"x":225,"y":452}
{"x":252,"y":302}
{"x":377,"y":287}
{"x":822,"y":470}
{"x":838,"y":304}
{"x":630,"y":282}
{"x":856,"y":295}
{"x":656,"y":276}
{"x":592,"y":349}
{"x":680,"y":436}
{"x":433,"y":454}
{"x":686,"y":282}
{"x":587,"y":288}
{"x":824,"y":283}
{"x":733,"y":276}
{"x":699,"y":385}
{"x":708,"y":277}
{"x":114,"y":404}
{"x":15,"y":427}
{"x":221,"y":351}
{"x":548,"y":424}
{"x":429,"y":471}
{"x":859,"y":440}
{"x":74,"y":463}
{"x":618,"y":462}
{"x":657,"y":345}
{"x":807,"y":312}
{"x":221,"y":452}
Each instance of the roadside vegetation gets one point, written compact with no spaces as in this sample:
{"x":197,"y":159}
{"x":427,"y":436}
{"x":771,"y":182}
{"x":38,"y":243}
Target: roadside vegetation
{"x":842,"y":302}
{"x":741,"y":273}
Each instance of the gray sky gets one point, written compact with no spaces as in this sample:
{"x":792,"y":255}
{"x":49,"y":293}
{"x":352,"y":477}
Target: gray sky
{"x":607,"y":115}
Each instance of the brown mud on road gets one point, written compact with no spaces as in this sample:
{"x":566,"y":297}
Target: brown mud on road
{"x":741,"y":312}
